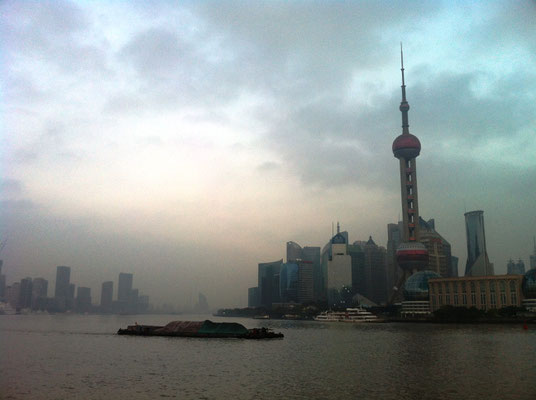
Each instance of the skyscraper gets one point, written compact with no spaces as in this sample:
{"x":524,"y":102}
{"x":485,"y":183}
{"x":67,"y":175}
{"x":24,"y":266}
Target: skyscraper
{"x":339,"y":271}
{"x":439,"y":250}
{"x":477,"y":257}
{"x":411,"y":255}
{"x":515,"y":268}
{"x":268,"y":279}
{"x":39,"y":293}
{"x":107,"y":293}
{"x":294,"y":252}
{"x":124,"y":286}
{"x":63,"y":277}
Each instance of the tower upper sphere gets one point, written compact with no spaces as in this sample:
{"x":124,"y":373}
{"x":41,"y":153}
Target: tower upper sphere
{"x":406,"y":146}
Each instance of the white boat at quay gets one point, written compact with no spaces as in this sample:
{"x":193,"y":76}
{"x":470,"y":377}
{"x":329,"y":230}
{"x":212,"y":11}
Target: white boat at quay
{"x":350,"y":315}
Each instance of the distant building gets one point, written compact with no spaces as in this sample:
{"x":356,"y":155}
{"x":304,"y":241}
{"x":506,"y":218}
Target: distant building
{"x":25,"y":293}
{"x":2,"y":283}
{"x":515,"y":268}
{"x":83,"y":300}
{"x":305,"y":281}
{"x":253,"y":297}
{"x":482,"y":292}
{"x":63,"y":277}
{"x":13,"y":295}
{"x":477,"y":257}
{"x":288,"y":282}
{"x":359,"y":273}
{"x":312,"y":254}
{"x":394,"y":272}
{"x":533,"y":256}
{"x":294,"y":252}
{"x":124,"y":286}
{"x":339,"y":271}
{"x":454,"y":266}
{"x":39,"y":294}
{"x":439,"y":250}
{"x":202,"y":304}
{"x":268,"y":278}
{"x":107,"y":292}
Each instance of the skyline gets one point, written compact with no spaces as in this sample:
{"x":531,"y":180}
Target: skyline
{"x":186,"y":144}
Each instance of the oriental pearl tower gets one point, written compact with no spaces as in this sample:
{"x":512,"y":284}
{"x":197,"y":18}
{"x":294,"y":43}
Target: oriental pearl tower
{"x":411,"y":255}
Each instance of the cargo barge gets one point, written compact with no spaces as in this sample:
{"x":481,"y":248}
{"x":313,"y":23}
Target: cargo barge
{"x":201,"y":329}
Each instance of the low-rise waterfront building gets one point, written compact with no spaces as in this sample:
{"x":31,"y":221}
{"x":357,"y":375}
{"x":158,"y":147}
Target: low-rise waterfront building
{"x":482,"y":292}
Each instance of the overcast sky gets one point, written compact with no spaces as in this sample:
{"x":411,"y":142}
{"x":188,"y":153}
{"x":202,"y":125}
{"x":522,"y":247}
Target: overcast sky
{"x":188,"y":141}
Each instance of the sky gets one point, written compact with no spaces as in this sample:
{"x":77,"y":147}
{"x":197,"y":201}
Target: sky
{"x":186,"y":142}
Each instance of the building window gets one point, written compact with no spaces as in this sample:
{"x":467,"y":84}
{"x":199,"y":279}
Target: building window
{"x":482,"y":299}
{"x":492,"y":287}
{"x":464,"y":299}
{"x":502,"y":284}
{"x":503,"y":299}
{"x":440,"y":300}
{"x":512,"y":286}
{"x":463,"y":287}
{"x":455,"y":287}
{"x":513,"y":297}
{"x":455,"y":299}
{"x":447,"y":288}
{"x":440,"y":287}
{"x":473,"y":289}
{"x":447,"y":299}
{"x":493,"y":300}
{"x":473,"y":299}
{"x":482,"y":286}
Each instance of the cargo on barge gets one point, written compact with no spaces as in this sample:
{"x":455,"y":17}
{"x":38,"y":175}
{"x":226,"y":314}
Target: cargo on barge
{"x":201,"y":329}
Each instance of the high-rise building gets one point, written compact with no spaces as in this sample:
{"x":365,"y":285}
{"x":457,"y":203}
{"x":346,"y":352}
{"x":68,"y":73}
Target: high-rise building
{"x":515,"y":268}
{"x":439,"y":250}
{"x":253,"y":297}
{"x":312,"y":254}
{"x":375,"y":265}
{"x":454,"y":266}
{"x":294,"y":252}
{"x":63,"y":277}
{"x":477,"y":257}
{"x":25,"y":293}
{"x":394,"y":272}
{"x":411,"y":255}
{"x":39,"y":293}
{"x":107,"y":292}
{"x":339,"y":271}
{"x":83,"y":299}
{"x":305,"y":281}
{"x":124,"y":286}
{"x":359,"y":273}
{"x":268,"y":279}
{"x":288,"y":282}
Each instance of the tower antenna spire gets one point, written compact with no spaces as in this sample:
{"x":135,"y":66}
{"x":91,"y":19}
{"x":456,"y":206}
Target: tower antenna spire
{"x":404,"y":105}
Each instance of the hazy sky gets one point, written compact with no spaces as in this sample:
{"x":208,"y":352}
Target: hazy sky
{"x":187,"y":141}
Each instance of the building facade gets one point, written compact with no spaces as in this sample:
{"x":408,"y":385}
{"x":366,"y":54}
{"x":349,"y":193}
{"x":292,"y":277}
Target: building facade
{"x":339,"y":271}
{"x":253,"y":297}
{"x":305,"y":281}
{"x":107,"y":295}
{"x":268,"y":282}
{"x":439,"y":249}
{"x":482,"y":292}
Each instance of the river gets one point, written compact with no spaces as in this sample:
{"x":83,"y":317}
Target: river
{"x":79,"y":356}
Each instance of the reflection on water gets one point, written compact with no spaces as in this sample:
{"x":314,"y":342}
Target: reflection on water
{"x":64,"y":356}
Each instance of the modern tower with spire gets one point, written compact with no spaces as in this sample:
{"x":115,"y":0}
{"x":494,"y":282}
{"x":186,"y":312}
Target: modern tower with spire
{"x":411,"y":255}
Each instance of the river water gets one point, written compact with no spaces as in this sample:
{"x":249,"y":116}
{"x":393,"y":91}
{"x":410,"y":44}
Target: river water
{"x":79,"y":356}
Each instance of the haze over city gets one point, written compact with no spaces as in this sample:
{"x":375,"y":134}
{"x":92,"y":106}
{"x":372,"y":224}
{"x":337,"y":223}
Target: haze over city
{"x":186,"y":143}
